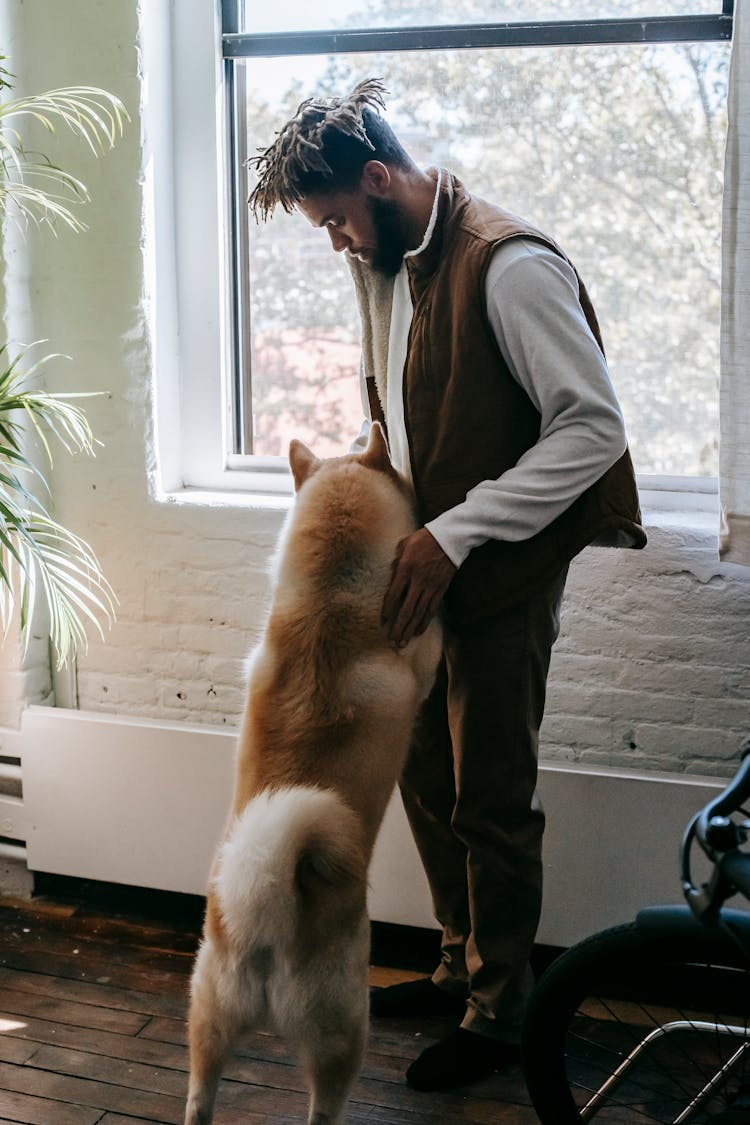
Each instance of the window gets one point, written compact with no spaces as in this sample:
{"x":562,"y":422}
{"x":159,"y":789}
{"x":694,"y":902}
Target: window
{"x":605,"y":128}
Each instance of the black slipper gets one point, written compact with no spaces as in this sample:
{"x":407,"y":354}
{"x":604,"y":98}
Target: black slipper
{"x":415,"y":998}
{"x":459,"y":1059}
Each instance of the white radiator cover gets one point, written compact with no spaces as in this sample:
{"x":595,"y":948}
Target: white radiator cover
{"x":142,"y":802}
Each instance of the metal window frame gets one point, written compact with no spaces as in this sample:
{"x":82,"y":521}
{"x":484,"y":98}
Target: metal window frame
{"x":238,"y":44}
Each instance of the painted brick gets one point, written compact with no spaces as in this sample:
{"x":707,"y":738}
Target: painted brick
{"x":578,"y":731}
{"x":200,"y":697}
{"x":689,"y":743}
{"x":626,"y":759}
{"x":217,"y":636}
{"x":608,"y":702}
{"x":112,"y":693}
{"x":553,"y":752}
{"x":722,"y":713}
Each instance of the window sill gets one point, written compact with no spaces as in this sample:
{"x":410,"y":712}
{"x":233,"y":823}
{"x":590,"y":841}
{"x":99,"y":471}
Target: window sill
{"x":231,"y":498}
{"x":697,"y":519}
{"x":687,"y":504}
{"x":691,"y":502}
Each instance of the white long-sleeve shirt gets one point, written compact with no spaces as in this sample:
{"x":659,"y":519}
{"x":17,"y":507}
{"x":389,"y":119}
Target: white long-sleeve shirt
{"x":538,"y":322}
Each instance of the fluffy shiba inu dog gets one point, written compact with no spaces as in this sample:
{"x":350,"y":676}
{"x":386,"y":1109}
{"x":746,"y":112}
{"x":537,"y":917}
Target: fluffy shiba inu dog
{"x":330,"y":712}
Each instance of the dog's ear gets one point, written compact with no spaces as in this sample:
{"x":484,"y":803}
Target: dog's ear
{"x":302,"y":462}
{"x":376,"y":455}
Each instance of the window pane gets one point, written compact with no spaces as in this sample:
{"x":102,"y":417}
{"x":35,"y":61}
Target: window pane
{"x":296,"y":15}
{"x":616,"y":152}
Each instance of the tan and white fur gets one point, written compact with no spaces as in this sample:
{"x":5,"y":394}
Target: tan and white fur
{"x":330,"y":712}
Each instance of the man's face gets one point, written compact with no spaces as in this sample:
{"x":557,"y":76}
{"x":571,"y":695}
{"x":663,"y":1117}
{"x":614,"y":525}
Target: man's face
{"x":368,"y":226}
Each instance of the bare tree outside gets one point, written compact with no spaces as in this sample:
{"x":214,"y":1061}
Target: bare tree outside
{"x":615,"y":151}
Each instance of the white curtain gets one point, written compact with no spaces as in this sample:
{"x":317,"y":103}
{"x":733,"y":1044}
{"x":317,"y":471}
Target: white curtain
{"x":734,"y":449}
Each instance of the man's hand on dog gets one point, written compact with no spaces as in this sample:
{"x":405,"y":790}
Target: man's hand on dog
{"x":421,"y":575}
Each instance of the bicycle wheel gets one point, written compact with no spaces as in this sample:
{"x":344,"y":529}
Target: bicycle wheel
{"x":642,"y":1023}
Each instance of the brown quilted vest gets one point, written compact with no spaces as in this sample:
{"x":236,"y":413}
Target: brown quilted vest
{"x":468,"y":420}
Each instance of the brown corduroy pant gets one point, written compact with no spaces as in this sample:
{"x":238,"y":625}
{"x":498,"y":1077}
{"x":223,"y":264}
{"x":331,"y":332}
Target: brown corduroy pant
{"x":469,"y":789}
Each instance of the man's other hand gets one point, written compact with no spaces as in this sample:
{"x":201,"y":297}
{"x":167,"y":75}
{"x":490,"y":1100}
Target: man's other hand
{"x":421,"y":575}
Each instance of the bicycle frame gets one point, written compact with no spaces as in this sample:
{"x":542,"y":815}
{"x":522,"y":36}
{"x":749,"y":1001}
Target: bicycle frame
{"x":667,"y":924}
{"x":614,"y":1080}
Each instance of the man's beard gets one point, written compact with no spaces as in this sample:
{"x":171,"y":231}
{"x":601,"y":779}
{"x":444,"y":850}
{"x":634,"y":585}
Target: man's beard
{"x":390,"y":237}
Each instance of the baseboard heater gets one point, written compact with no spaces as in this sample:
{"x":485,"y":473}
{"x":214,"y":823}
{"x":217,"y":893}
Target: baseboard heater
{"x":143,"y":803}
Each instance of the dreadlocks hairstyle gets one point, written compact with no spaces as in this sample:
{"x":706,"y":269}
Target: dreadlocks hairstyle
{"x":324,"y":148}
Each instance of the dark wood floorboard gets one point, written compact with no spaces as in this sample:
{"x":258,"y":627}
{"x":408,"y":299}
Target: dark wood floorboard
{"x":93,"y":998}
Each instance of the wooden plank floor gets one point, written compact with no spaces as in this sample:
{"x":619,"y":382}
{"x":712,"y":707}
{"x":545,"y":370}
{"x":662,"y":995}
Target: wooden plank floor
{"x":93,"y":1000}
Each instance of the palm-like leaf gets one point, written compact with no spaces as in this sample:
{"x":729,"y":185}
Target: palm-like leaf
{"x":38,"y":555}
{"x":39,"y":190}
{"x":27,"y":194}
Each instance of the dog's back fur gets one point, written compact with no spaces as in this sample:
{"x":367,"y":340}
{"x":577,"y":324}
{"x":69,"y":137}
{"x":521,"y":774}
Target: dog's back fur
{"x":330,"y":713}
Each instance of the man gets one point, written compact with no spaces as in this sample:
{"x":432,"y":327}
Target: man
{"x":482,"y":358}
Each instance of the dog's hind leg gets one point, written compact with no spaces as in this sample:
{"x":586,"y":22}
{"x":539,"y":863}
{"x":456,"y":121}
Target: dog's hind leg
{"x":332,"y":1069}
{"x":332,"y":1054}
{"x":213,"y":1027}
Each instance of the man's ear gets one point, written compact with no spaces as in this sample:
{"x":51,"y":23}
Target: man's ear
{"x":376,"y":456}
{"x":302,"y":462}
{"x":376,"y":179}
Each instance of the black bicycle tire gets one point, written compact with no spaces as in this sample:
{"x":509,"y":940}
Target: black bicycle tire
{"x":580,"y":972}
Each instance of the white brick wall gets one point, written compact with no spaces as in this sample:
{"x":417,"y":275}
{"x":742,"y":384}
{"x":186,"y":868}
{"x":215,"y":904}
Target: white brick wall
{"x":652,"y":670}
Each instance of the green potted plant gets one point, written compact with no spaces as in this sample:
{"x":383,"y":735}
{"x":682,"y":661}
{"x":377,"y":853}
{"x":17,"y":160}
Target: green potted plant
{"x":39,"y":558}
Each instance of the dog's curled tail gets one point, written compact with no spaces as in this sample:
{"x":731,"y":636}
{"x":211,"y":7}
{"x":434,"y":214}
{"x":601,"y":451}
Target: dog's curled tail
{"x":294,"y":861}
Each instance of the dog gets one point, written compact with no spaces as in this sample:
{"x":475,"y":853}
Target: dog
{"x":330,"y":713}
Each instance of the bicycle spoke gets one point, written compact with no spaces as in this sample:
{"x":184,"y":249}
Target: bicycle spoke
{"x":673,"y":1073}
{"x":647,"y":1091}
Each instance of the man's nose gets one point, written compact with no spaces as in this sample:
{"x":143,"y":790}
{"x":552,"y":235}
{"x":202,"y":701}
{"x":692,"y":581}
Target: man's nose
{"x":339,"y":241}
